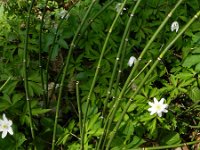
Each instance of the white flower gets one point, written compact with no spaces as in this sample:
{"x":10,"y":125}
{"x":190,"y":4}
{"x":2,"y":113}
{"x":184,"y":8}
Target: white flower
{"x":158,"y":107}
{"x":131,"y":61}
{"x":118,"y":6}
{"x":174,"y":26}
{"x":5,"y":126}
{"x":62,"y":14}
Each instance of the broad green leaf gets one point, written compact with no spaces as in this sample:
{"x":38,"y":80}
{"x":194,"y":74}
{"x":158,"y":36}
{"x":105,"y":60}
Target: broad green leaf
{"x":194,"y":93}
{"x":153,"y":126}
{"x":196,"y":50}
{"x":191,"y":60}
{"x":20,"y":139}
{"x":63,"y":43}
{"x":34,"y":88}
{"x":136,"y":142}
{"x":92,"y":121}
{"x":39,"y":111}
{"x":169,"y":138}
{"x":184,"y":75}
{"x":17,"y":97}
{"x":194,"y":4}
{"x":197,"y":67}
{"x":55,"y":52}
{"x":9,"y":88}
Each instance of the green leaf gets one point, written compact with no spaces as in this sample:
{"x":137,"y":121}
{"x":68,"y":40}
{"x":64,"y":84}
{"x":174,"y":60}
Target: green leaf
{"x":9,"y":88}
{"x":196,"y":50}
{"x":55,"y":51}
{"x":194,"y":93}
{"x":63,"y":43}
{"x":136,"y":142}
{"x":34,"y":88}
{"x":191,"y":60}
{"x":17,"y":97}
{"x":169,"y":138}
{"x":38,"y":111}
{"x":92,"y":121}
{"x":197,"y":67}
{"x":153,"y":126}
{"x":184,"y":75}
{"x":194,"y":4}
{"x":20,"y":139}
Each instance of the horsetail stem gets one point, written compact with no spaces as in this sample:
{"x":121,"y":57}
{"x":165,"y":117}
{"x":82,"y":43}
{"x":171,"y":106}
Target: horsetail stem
{"x":117,"y":102}
{"x":146,"y":77}
{"x":72,"y":46}
{"x":25,"y":66}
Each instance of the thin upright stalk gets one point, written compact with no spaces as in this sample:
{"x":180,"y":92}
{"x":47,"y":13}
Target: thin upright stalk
{"x":50,"y":57}
{"x":25,"y":66}
{"x":123,"y":41}
{"x":66,"y":64}
{"x":80,"y":35}
{"x":98,"y":67}
{"x":118,"y":55}
{"x":146,"y":77}
{"x":117,"y":102}
{"x":129,"y":86}
{"x":79,"y":111}
{"x":44,"y":90}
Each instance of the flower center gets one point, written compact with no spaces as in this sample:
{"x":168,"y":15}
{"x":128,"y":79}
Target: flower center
{"x":5,"y":126}
{"x":158,"y":107}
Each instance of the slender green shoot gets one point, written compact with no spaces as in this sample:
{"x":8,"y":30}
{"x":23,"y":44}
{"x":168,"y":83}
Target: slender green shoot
{"x":72,"y":46}
{"x":117,"y":102}
{"x":146,"y":77}
{"x":79,"y":110}
{"x":99,"y":66}
{"x":25,"y":66}
{"x":118,"y":55}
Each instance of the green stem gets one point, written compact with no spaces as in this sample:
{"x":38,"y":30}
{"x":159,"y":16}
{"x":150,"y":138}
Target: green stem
{"x":123,"y":41}
{"x":25,"y":66}
{"x":118,"y":55}
{"x":167,"y":146}
{"x":50,"y":55}
{"x":146,"y":77}
{"x":98,"y":67}
{"x":49,"y":58}
{"x":72,"y":46}
{"x":81,"y":33}
{"x":138,"y":75}
{"x":1,"y":88}
{"x":79,"y":111}
{"x":117,"y":102}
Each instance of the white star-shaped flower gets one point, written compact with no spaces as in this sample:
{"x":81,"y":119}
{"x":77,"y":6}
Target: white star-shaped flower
{"x":174,"y":26}
{"x":158,"y":107}
{"x":5,"y":126}
{"x":131,"y":61}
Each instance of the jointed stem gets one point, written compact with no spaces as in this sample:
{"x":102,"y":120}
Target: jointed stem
{"x":146,"y":77}
{"x":25,"y":69}
{"x":117,"y":102}
{"x":72,"y":46}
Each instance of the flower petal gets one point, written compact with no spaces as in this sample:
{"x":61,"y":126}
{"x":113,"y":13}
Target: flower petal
{"x":162,"y":101}
{"x":155,"y":100}
{"x":159,"y":114}
{"x":4,"y":134}
{"x":4,"y":118}
{"x":10,"y":130}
